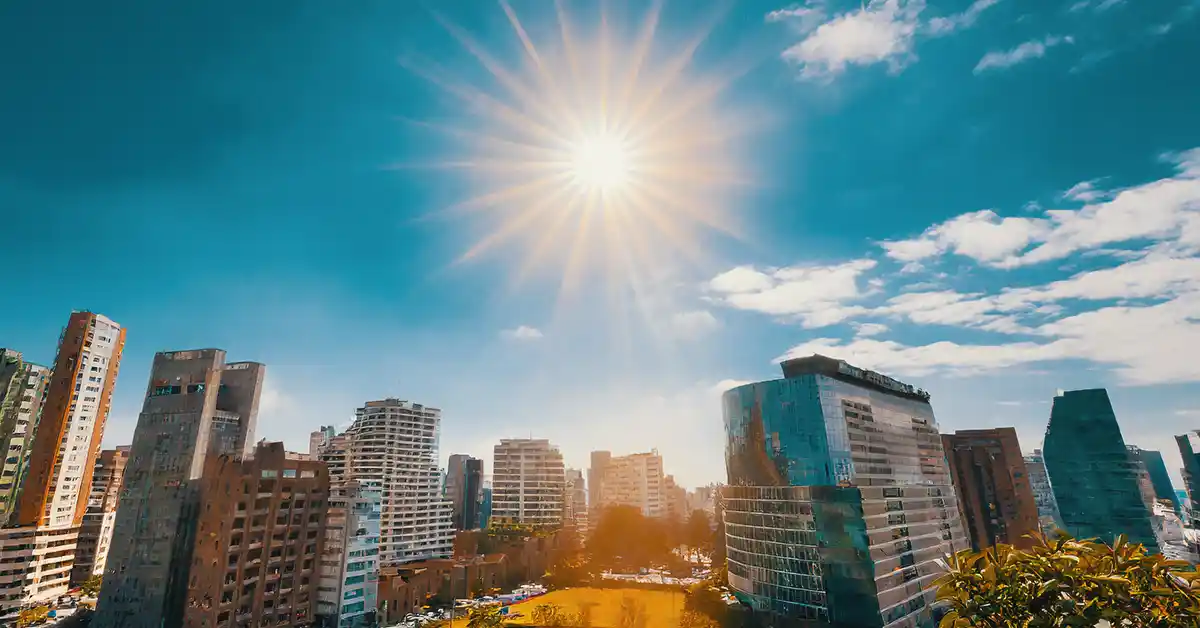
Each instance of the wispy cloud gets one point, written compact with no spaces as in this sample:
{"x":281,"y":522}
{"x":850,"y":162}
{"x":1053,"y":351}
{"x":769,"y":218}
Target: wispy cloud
{"x":815,"y":295}
{"x":522,"y":333}
{"x":693,"y":325}
{"x":948,"y":24}
{"x":1035,"y":49}
{"x":879,"y":32}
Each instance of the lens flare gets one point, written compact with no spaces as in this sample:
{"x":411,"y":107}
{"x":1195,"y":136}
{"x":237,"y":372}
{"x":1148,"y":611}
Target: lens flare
{"x":595,"y":153}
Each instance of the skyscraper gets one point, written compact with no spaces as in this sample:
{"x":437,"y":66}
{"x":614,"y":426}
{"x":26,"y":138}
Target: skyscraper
{"x":1189,"y":450}
{"x":575,"y":504}
{"x":196,"y":406}
{"x":55,"y":490}
{"x":993,"y":488}
{"x":95,"y":533}
{"x":595,"y":479}
{"x":528,"y":478}
{"x":393,"y":448}
{"x":1039,"y":480}
{"x":22,"y":393}
{"x":1094,"y":477}
{"x":464,"y":487}
{"x":349,"y":574}
{"x":839,"y":507}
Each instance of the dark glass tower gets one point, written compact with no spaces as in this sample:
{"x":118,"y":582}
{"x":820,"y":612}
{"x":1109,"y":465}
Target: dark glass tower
{"x":1094,"y":477}
{"x":1189,"y":450}
{"x":1163,"y":489}
{"x":839,"y":507}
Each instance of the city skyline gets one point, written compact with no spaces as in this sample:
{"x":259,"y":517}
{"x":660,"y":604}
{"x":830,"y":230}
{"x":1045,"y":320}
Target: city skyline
{"x":914,"y":213}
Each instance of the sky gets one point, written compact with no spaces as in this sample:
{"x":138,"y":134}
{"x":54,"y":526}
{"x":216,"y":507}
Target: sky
{"x":991,"y":200}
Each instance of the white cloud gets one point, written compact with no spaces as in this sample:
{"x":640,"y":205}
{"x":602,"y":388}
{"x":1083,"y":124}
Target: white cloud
{"x":816,"y":295}
{"x":1144,"y":345}
{"x":869,"y":329}
{"x":1084,"y":191}
{"x":966,"y":19}
{"x":727,"y":384}
{"x":1027,"y":51}
{"x":694,"y":324}
{"x":879,"y":32}
{"x":523,"y":333}
{"x":1188,"y":412}
{"x":981,"y":235}
{"x":1167,"y":208}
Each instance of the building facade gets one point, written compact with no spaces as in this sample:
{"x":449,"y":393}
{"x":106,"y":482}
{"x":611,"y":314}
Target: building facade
{"x":393,"y":448}
{"x":675,"y":504}
{"x":528,"y":482}
{"x":260,"y":531}
{"x":1189,"y":450}
{"x":635,"y":480}
{"x":196,"y":406}
{"x":1095,"y":479}
{"x":464,"y":488}
{"x":839,"y":506}
{"x":1159,"y":478}
{"x":575,"y":503}
{"x":992,"y":484}
{"x":1049,"y":520}
{"x":349,"y":574}
{"x":95,"y":533}
{"x":595,"y":480}
{"x":22,"y":395}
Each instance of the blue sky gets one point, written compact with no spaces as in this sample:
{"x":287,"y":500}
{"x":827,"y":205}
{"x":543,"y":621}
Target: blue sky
{"x":991,"y":200}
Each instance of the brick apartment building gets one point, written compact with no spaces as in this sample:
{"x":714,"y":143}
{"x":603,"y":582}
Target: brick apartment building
{"x":259,"y":539}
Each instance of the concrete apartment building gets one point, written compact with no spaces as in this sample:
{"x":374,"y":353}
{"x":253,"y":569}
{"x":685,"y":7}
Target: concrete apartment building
{"x":22,"y":393}
{"x":50,"y":495}
{"x":675,"y":499}
{"x":992,"y":484}
{"x":260,"y":529}
{"x":595,"y":479}
{"x":392,"y":446}
{"x":528,"y":482}
{"x":95,"y":533}
{"x":635,"y":480}
{"x":348,"y":583}
{"x":196,"y":406}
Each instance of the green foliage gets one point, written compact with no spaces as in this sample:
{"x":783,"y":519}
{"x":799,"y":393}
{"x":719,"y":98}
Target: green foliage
{"x":1066,"y":582}
{"x":698,"y":534}
{"x":91,"y":586}
{"x":31,"y":616}
{"x":485,"y":617}
{"x":623,"y":538}
{"x":694,"y":619}
{"x":551,"y":615}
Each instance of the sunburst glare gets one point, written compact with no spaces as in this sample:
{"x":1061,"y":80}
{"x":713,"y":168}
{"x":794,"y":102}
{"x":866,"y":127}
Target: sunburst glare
{"x":598,"y":152}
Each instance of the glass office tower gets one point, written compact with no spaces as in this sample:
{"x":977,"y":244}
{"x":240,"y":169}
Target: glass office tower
{"x":839,"y":507}
{"x":1189,"y":450}
{"x":1159,"y":478}
{"x":1095,"y":478}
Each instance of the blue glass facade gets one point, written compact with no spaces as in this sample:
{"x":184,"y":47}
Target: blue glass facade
{"x":1163,"y":489}
{"x":839,"y":505}
{"x":1189,"y":450}
{"x":1094,"y":477}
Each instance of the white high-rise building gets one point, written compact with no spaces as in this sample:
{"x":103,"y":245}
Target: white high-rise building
{"x":393,"y":447}
{"x":528,"y":482}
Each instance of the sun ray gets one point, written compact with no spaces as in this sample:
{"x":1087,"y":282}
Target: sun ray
{"x":594,"y":155}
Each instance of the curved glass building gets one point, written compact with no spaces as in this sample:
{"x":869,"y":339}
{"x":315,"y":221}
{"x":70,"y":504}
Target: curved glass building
{"x":839,"y":507}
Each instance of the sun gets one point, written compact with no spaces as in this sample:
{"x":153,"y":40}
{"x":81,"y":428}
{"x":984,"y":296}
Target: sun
{"x":601,"y":163}
{"x":598,"y":151}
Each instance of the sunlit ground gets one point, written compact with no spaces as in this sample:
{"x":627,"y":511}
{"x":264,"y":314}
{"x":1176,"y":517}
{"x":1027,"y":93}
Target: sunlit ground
{"x":596,"y":152}
{"x":662,"y":608}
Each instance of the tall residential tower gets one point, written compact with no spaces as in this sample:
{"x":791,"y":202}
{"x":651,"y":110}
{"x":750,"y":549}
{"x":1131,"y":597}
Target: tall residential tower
{"x":528,"y":482}
{"x":993,"y":488}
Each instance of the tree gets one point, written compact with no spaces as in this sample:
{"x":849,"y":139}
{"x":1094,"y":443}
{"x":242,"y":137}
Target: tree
{"x":632,"y":614}
{"x":550,"y":615}
{"x":1067,"y":582}
{"x":31,"y":616}
{"x":699,"y":533}
{"x":485,"y":617}
{"x":91,"y":586}
{"x":624,"y":538}
{"x":693,"y":619}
